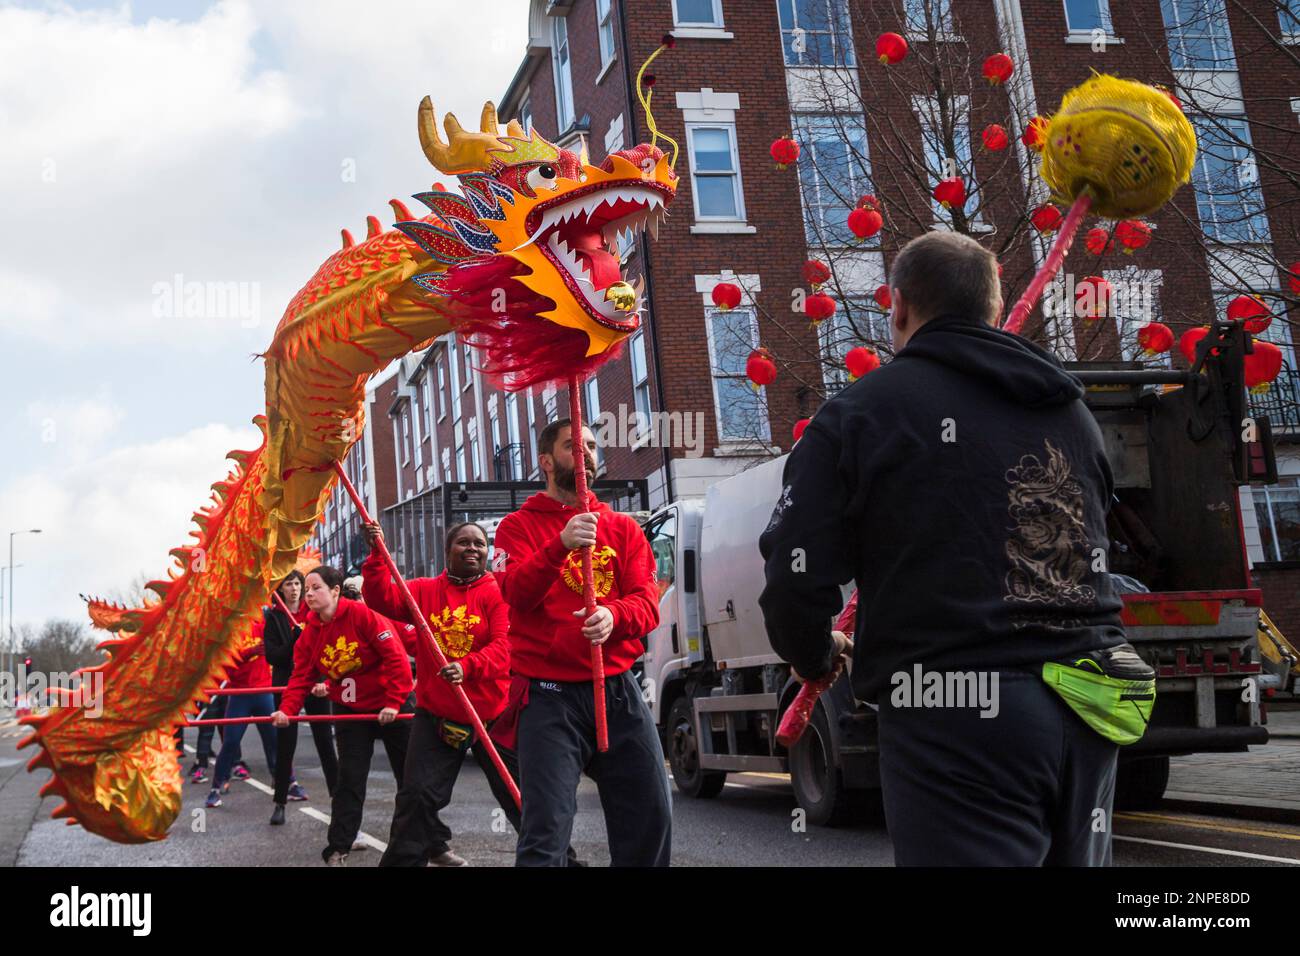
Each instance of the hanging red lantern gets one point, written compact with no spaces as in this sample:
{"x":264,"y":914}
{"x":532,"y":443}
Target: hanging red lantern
{"x":815,"y":272}
{"x":1035,"y":135}
{"x":818,"y":307}
{"x":799,"y":427}
{"x":785,"y":151}
{"x":861,"y":360}
{"x":1155,"y":338}
{"x":865,"y":222}
{"x":1251,"y":311}
{"x":1262,"y":366}
{"x":1133,"y":234}
{"x":995,"y":137}
{"x":1046,"y":218}
{"x":1188,"y":341}
{"x":1098,"y":241}
{"x":998,"y":68}
{"x":726,"y":295}
{"x":1293,"y":280}
{"x":890,"y":48}
{"x":883,"y":298}
{"x":870,"y":202}
{"x":759,"y":368}
{"x":951,"y":192}
{"x":1091,"y":297}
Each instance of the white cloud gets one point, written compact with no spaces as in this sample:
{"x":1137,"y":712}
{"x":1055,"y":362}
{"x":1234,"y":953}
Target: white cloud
{"x":107,"y":519}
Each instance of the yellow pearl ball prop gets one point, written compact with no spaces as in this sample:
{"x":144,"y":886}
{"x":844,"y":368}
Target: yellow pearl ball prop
{"x":622,"y":295}
{"x":1126,"y":141}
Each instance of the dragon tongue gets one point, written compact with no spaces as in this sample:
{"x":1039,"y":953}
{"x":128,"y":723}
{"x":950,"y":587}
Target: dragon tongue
{"x":601,"y":266}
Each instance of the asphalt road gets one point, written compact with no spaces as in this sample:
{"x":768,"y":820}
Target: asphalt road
{"x":750,"y":824}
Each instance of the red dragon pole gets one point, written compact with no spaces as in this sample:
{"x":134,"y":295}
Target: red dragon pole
{"x":300,"y":719}
{"x":588,"y":582}
{"x":417,"y":616}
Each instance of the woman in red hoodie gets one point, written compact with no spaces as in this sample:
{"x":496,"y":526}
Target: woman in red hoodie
{"x":366,"y":672}
{"x":470,"y":619}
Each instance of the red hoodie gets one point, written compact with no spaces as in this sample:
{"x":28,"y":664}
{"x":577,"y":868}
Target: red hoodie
{"x":470,"y":623}
{"x":359,"y":650}
{"x":542,"y":583}
{"x":250,"y":669}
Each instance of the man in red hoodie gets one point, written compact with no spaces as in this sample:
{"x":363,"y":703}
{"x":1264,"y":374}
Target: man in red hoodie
{"x":538,"y":561}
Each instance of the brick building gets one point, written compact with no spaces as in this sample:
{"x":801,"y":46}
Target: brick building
{"x":741,"y":74}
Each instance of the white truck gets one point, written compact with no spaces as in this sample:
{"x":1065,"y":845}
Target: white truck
{"x":717,"y":690}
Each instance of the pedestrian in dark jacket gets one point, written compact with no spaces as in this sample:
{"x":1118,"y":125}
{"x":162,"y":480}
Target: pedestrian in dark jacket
{"x":964,"y":487}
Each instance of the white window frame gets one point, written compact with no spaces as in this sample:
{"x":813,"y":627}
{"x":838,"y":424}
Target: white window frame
{"x":550,"y":402}
{"x":1263,"y":494}
{"x":406,"y":436}
{"x":524,"y":113}
{"x":1286,"y":16}
{"x":605,"y":35}
{"x":442,"y":391}
{"x":1204,"y":189}
{"x":532,"y":432}
{"x":468,"y":351}
{"x":416,"y":452}
{"x":562,"y":73}
{"x":1174,"y":37}
{"x":845,"y":55}
{"x":426,"y":390}
{"x":454,"y":382}
{"x":841,"y":122}
{"x":512,"y":436}
{"x":716,"y":23}
{"x":591,"y":398}
{"x":926,"y":110}
{"x":765,"y":437}
{"x":1126,"y":326}
{"x":446,"y":466}
{"x":738,"y":188}
{"x":944,"y":31}
{"x":640,"y":386}
{"x":1086,"y":34}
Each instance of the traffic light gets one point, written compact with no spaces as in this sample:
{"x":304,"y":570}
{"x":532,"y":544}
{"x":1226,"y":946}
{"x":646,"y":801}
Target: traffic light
{"x":27,"y":663}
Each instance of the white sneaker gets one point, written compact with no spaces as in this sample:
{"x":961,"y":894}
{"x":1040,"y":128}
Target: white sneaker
{"x":358,"y":846}
{"x":447,"y":858}
{"x":337,"y":859}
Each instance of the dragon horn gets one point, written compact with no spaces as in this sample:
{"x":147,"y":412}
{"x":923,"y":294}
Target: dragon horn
{"x":513,"y":128}
{"x":464,"y":152}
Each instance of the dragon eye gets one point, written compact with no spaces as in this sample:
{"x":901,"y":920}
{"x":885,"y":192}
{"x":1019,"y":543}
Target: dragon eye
{"x":543,"y":177}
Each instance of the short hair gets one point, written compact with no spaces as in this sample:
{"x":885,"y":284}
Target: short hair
{"x":457,"y":529}
{"x":332,"y":577}
{"x":550,"y":435}
{"x":351,"y":588}
{"x":947,"y":273}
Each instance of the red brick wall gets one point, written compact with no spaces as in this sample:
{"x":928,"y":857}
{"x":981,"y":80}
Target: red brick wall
{"x":1281,"y":587}
{"x":382,"y":468}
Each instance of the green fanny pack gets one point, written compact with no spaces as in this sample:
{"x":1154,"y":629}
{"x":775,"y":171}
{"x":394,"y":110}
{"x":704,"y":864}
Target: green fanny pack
{"x":1112,"y":690}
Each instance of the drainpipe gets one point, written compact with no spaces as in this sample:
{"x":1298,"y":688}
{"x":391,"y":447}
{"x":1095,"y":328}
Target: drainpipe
{"x":652,"y":326}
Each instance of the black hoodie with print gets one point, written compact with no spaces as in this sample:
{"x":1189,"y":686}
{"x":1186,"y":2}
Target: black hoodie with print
{"x":964,"y":487}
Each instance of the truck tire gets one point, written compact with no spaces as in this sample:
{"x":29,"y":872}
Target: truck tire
{"x":684,"y":754}
{"x":1140,"y":784}
{"x":818,"y":785}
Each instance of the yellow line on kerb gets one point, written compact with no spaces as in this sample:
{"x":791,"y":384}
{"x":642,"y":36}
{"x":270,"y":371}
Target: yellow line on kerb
{"x":1200,"y":825}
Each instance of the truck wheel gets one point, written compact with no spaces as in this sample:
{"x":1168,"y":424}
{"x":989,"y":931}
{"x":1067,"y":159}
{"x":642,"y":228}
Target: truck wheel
{"x":1140,"y":784}
{"x":684,"y":754}
{"x":818,"y":785}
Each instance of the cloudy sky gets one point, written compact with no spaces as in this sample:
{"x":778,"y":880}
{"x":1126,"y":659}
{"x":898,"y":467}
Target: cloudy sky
{"x":148,"y":144}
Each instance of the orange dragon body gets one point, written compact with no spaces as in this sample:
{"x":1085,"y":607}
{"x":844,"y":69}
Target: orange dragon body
{"x":521,"y":264}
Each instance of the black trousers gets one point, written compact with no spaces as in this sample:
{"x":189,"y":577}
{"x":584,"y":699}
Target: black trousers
{"x":286,"y":742}
{"x":1031,"y":786}
{"x":432,"y":766}
{"x":557,"y":744}
{"x":356,"y":743}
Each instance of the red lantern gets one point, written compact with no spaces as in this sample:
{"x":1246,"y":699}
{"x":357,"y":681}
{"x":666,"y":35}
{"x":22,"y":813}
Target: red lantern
{"x":1188,"y":341}
{"x":1133,"y":234}
{"x":785,"y":151}
{"x":1262,"y":366}
{"x":951,"y":192}
{"x":1046,"y":218}
{"x":890,"y":48}
{"x":1252,"y":311}
{"x":861,"y":360}
{"x":818,"y":307}
{"x":799,"y":427}
{"x":815,"y":272}
{"x":1293,"y":280}
{"x":726,"y":296}
{"x":865,"y":222}
{"x":998,"y":68}
{"x":995,"y":137}
{"x":1091,"y":297}
{"x":1098,"y":241}
{"x":870,"y":202}
{"x":1155,"y":338}
{"x":759,"y":368}
{"x":1035,"y":135}
{"x":883,"y":298}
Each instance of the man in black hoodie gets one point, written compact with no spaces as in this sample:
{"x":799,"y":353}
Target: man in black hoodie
{"x":964,"y":487}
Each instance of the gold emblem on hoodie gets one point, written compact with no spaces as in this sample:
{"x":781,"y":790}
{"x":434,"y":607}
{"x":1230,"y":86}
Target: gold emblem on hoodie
{"x":339,"y":659}
{"x":602,"y":569}
{"x":454,"y":630}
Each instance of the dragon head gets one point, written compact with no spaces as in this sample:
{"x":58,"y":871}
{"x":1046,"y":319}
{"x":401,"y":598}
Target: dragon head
{"x":532,"y":242}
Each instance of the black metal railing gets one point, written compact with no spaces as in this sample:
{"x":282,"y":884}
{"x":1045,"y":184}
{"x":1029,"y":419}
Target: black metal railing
{"x":508,"y":462}
{"x":1281,"y":403}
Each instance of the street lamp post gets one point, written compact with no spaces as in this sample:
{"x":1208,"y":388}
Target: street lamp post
{"x":2,"y":609}
{"x":11,"y":589}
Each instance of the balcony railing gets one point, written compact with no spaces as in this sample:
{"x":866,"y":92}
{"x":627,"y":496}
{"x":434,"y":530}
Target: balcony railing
{"x":1281,"y":403}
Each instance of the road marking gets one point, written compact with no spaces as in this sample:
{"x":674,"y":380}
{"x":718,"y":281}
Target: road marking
{"x":1179,"y":821}
{"x":312,"y":812}
{"x":1208,"y":849}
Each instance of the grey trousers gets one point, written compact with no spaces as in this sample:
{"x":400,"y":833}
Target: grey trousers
{"x":1031,"y":786}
